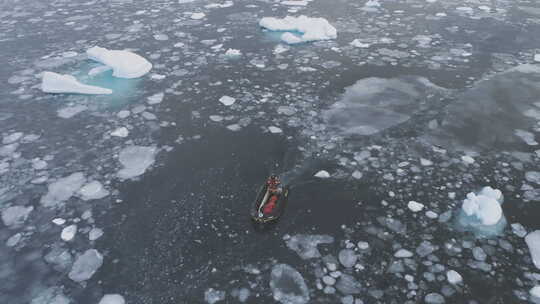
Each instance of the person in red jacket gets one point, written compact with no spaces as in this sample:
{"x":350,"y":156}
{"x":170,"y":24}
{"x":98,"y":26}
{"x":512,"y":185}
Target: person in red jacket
{"x":274,"y":190}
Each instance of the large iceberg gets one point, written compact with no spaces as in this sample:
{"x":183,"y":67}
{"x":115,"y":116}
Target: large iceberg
{"x":482,"y":213}
{"x":125,"y":64}
{"x":300,"y":29}
{"x":288,"y":286}
{"x":57,"y":83}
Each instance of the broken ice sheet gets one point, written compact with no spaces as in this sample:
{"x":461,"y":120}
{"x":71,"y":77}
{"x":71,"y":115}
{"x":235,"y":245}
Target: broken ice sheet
{"x":135,"y":160}
{"x":288,"y":285}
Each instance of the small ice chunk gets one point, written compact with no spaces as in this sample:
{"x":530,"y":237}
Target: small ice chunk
{"x":212,"y":296}
{"x":305,"y":245}
{"x":123,"y":114}
{"x":69,"y":112}
{"x":484,"y":206}
{"x":403,"y":253}
{"x":274,"y":130}
{"x":14,"y":240}
{"x":347,"y":257}
{"x":227,"y":100}
{"x":347,"y":285}
{"x":434,"y":298}
{"x":112,"y":299}
{"x":125,"y":64}
{"x":288,"y":285}
{"x":322,"y":174}
{"x":62,"y":189}
{"x":432,"y":215}
{"x":453,"y":277}
{"x":467,"y":159}
{"x":415,"y":206}
{"x":86,"y":265}
{"x":155,"y":99}
{"x":59,"y":221}
{"x":15,"y":216}
{"x":363,"y":245}
{"x":533,"y":242}
{"x":233,"y":53}
{"x":93,"y":190}
{"x":58,"y":83}
{"x":216,"y":118}
{"x":197,"y":16}
{"x":359,"y":44}
{"x":519,"y":230}
{"x":135,"y":160}
{"x":357,"y":174}
{"x":68,"y":233}
{"x":533,"y":176}
{"x":537,"y":57}
{"x":311,"y":29}
{"x":120,"y":132}
{"x":95,"y":234}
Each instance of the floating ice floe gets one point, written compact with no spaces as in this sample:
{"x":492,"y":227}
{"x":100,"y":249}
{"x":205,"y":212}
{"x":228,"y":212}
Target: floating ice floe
{"x":112,"y":299}
{"x":15,"y":216}
{"x":322,"y":174}
{"x":533,"y":242}
{"x":233,"y":53}
{"x":274,"y":130}
{"x":197,"y":16}
{"x":415,"y":206}
{"x":403,"y":253}
{"x":347,"y":285}
{"x":68,"y":233}
{"x":434,"y":298}
{"x":212,"y":296}
{"x":482,"y":212}
{"x":308,"y":29}
{"x":86,"y":265}
{"x":56,"y":83}
{"x":347,"y":258}
{"x":295,"y":2}
{"x":155,"y":99}
{"x":69,"y":112}
{"x":62,"y":189}
{"x":120,"y":132}
{"x":135,"y":160}
{"x":227,"y":100}
{"x":95,"y":234}
{"x":537,"y":57}
{"x":288,"y":285}
{"x":125,"y":64}
{"x":453,"y":277}
{"x":93,"y":190}
{"x":12,"y":137}
{"x":305,"y":245}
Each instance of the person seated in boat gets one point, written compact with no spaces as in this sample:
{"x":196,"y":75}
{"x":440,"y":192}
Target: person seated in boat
{"x":274,"y":185}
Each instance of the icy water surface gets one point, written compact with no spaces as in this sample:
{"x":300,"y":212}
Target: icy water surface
{"x":143,"y":195}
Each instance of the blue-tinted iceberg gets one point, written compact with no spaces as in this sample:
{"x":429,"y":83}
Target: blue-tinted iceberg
{"x":309,"y":29}
{"x":125,"y":64}
{"x":58,"y":83}
{"x":482,"y":214}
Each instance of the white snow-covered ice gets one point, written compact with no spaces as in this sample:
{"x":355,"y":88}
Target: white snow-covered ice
{"x":415,"y":206}
{"x":322,"y":174}
{"x":227,"y":100}
{"x":68,"y":233}
{"x":300,"y":29}
{"x":57,"y":83}
{"x":125,"y":64}
{"x":112,"y":299}
{"x":485,"y":206}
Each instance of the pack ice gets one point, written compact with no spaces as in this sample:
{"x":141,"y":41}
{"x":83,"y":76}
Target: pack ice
{"x":288,"y":286}
{"x":309,"y":29}
{"x":125,"y":64}
{"x":57,"y":83}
